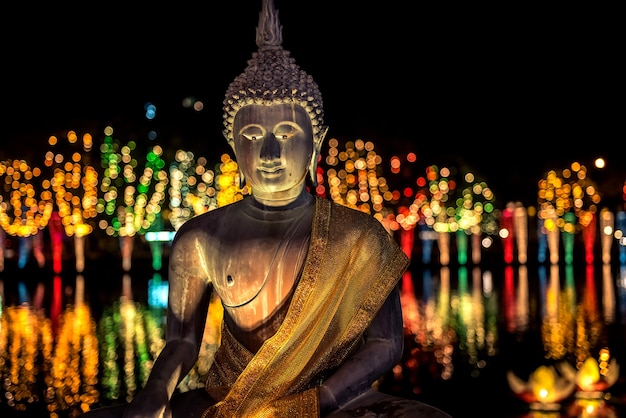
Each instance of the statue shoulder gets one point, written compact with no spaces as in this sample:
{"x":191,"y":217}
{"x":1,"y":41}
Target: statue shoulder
{"x":205,"y":225}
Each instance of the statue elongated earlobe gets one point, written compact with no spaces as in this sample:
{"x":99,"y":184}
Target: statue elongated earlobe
{"x":313,"y":169}
{"x":242,"y":180}
{"x":317,"y":150}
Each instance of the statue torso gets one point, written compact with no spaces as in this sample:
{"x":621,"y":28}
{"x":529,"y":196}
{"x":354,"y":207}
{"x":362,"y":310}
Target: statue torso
{"x":254,"y":262}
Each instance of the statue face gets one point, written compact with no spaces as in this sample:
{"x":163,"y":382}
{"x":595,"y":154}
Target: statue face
{"x":273,"y":145}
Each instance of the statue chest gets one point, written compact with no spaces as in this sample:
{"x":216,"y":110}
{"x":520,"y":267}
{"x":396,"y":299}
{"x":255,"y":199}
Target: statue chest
{"x":255,"y":275}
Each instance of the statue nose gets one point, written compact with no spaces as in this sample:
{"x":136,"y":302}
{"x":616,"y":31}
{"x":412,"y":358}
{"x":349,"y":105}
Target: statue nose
{"x":271,"y":148}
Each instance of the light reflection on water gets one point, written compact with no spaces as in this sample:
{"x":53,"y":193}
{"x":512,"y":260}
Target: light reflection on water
{"x":466,"y":327}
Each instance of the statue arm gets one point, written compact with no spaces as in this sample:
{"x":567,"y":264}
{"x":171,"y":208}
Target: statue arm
{"x":188,"y":304}
{"x":384,"y":342}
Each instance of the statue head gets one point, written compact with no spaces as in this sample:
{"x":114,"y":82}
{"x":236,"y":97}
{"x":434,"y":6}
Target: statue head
{"x":273,"y":79}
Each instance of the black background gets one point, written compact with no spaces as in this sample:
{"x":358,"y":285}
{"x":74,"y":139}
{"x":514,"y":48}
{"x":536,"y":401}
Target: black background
{"x":508,"y":91}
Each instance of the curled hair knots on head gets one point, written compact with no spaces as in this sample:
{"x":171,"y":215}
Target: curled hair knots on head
{"x":272,"y":77}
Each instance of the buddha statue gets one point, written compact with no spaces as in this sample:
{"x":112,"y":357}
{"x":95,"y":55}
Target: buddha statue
{"x":312,"y":316}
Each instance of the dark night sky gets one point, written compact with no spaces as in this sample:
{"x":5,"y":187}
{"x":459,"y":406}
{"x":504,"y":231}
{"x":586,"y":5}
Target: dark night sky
{"x":508,"y":91}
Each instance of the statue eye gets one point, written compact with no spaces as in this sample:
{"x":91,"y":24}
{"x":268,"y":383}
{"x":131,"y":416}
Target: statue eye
{"x":252,"y":133}
{"x":286,"y":131}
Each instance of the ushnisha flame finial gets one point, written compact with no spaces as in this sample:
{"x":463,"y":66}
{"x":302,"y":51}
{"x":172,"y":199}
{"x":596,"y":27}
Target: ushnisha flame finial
{"x":272,"y":77}
{"x":269,"y":33}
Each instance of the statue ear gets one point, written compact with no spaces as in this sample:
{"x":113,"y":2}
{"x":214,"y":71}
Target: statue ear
{"x":231,"y":142}
{"x":318,"y":140}
{"x":242,"y":180}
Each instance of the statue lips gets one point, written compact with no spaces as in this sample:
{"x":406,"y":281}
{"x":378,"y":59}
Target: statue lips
{"x":271,"y":172}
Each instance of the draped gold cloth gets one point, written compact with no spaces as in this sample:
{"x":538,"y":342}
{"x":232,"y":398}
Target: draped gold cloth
{"x":352,"y":266}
